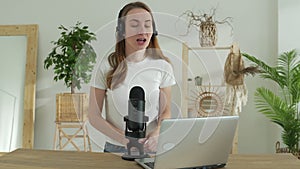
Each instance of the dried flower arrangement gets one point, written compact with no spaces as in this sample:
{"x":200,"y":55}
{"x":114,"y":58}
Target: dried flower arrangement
{"x":206,"y":25}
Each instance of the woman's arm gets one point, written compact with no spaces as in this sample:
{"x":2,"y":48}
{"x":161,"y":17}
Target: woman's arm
{"x":164,"y":104}
{"x":150,"y":142}
{"x":95,"y":117}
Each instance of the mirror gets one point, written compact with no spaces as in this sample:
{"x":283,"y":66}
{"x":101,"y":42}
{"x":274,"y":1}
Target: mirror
{"x":17,"y":98}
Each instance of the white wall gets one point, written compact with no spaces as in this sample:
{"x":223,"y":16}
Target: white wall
{"x":255,"y":29}
{"x":288,"y":25}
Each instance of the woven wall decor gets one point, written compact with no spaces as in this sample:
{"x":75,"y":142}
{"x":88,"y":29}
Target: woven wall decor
{"x":234,"y":72}
{"x":208,"y":34}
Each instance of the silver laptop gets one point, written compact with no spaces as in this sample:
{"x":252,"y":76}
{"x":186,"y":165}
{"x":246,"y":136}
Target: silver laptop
{"x":193,"y":142}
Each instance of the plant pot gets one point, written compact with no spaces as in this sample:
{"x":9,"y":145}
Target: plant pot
{"x":285,"y":150}
{"x":208,"y":34}
{"x":71,"y":107}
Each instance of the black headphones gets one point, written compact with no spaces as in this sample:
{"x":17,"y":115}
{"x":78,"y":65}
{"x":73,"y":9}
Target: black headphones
{"x":121,"y":27}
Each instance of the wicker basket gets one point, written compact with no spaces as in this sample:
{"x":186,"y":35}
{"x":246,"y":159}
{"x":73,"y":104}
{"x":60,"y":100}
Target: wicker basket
{"x":285,"y":150}
{"x":71,"y":107}
{"x":208,"y":34}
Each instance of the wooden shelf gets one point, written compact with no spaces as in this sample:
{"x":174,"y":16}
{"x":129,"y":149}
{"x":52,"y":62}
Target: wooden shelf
{"x":210,"y":48}
{"x":185,"y":62}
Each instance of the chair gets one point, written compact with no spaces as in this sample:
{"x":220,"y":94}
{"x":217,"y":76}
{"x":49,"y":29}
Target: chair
{"x":71,"y":118}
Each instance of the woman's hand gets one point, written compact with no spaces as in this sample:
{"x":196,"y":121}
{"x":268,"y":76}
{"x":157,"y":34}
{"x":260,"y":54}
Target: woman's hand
{"x":151,"y":140}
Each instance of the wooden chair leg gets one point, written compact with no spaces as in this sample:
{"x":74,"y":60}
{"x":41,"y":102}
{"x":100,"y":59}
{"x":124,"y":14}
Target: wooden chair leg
{"x":84,"y":140}
{"x":86,"y":137}
{"x":89,"y":143}
{"x":55,"y":136}
{"x":70,"y":139}
{"x":60,"y":134}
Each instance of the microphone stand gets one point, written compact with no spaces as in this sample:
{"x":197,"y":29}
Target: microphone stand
{"x":134,"y":136}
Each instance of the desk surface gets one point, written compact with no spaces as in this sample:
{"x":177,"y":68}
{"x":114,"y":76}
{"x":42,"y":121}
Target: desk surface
{"x":48,"y":159}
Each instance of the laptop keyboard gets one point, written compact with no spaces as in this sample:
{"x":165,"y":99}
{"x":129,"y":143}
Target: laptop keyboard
{"x":150,"y":164}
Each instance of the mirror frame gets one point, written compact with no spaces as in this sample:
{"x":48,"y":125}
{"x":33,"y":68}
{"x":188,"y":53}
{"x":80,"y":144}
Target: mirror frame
{"x":31,"y":33}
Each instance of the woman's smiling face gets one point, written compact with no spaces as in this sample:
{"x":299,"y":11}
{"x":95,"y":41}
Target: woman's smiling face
{"x":138,"y":30}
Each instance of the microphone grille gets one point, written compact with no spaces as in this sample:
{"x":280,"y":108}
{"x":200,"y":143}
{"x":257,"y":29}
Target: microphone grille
{"x":137,"y":93}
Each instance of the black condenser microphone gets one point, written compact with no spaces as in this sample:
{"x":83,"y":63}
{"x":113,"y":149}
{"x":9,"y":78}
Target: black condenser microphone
{"x":136,"y":109}
{"x":135,"y":123}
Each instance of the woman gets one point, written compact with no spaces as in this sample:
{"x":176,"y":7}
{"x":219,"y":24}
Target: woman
{"x":136,"y":61}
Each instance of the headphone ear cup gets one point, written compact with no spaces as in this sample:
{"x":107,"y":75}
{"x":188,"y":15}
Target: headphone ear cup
{"x":155,"y":33}
{"x":120,"y":29}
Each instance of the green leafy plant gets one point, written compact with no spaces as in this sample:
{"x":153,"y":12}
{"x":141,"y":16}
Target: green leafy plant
{"x":282,"y":106}
{"x":72,"y":56}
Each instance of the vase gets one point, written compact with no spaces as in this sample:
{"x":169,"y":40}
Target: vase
{"x":208,"y":34}
{"x":285,"y":150}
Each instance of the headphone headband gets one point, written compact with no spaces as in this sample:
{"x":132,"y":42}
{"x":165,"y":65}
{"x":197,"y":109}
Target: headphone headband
{"x":120,"y":29}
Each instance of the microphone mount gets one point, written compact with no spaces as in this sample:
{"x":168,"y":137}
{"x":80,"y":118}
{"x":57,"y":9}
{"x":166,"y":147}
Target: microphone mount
{"x":133,"y":137}
{"x":135,"y":133}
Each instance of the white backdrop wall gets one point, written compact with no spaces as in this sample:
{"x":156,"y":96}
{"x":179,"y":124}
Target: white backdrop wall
{"x":255,"y":30}
{"x":288,"y":25}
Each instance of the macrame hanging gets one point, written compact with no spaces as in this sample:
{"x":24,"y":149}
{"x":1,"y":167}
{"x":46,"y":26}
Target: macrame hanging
{"x":234,"y":72}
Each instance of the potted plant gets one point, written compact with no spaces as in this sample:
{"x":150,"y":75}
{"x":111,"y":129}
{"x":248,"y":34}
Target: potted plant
{"x":281,"y":106}
{"x":73,"y":59}
{"x":206,"y":25}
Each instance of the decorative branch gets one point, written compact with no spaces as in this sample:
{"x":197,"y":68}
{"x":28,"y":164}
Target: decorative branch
{"x":197,"y":19}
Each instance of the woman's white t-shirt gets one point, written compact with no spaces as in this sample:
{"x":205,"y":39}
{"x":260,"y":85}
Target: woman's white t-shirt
{"x":150,"y":74}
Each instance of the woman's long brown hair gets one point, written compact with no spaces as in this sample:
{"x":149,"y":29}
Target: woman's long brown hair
{"x":117,"y":59}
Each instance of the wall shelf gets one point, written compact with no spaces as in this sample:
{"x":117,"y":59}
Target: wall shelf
{"x":185,"y":62}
